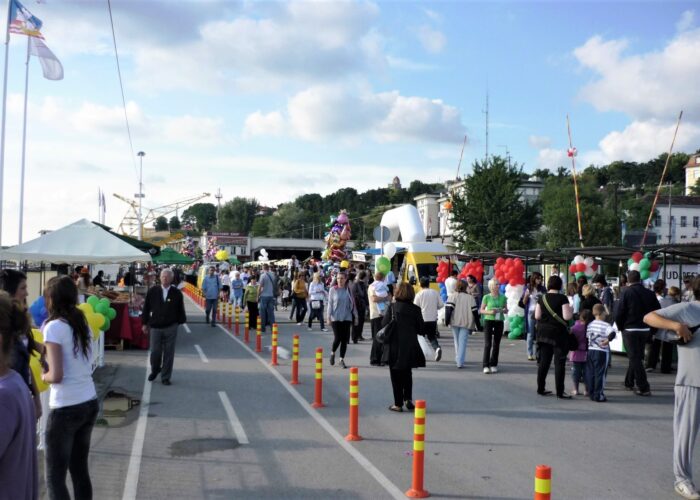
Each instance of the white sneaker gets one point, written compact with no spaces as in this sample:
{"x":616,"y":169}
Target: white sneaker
{"x":308,"y":328}
{"x":299,"y":324}
{"x":438,"y":354}
{"x":494,"y":369}
{"x":487,"y":370}
{"x":324,"y":329}
{"x":686,"y":489}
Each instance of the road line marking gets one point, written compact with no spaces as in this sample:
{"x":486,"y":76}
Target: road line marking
{"x":202,"y":356}
{"x":132,"y":475}
{"x":363,"y":461}
{"x":187,"y":328}
{"x":233,"y":419}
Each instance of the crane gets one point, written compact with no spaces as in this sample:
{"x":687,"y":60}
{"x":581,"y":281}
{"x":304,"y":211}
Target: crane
{"x":130,"y":222}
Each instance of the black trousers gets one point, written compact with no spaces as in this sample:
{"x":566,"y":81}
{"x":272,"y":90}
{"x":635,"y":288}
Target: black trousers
{"x":357,"y":329}
{"x":341,"y":336}
{"x":547,"y":353}
{"x":402,"y":385}
{"x":375,"y":355}
{"x":634,"y":343}
{"x":252,"y":315}
{"x":493,"y":331}
{"x":430,"y":332}
{"x":665,"y":350}
{"x":301,"y":308}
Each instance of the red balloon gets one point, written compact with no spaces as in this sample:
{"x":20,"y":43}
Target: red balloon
{"x":580,"y":267}
{"x":654,"y":266}
{"x":500,"y":261}
{"x":594,"y":266}
{"x":572,"y":268}
{"x":637,"y":256}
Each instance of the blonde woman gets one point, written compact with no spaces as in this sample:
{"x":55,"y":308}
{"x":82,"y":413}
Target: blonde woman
{"x":589,"y":298}
{"x":493,"y":312}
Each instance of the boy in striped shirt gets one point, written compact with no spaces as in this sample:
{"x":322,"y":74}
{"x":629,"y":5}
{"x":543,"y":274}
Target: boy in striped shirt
{"x":599,"y":334}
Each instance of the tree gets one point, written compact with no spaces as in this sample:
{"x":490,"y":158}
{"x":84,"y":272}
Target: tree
{"x":174,"y":223}
{"x":237,"y":215}
{"x":161,"y":224}
{"x":261,"y":225}
{"x":489,"y":211}
{"x":286,"y":222}
{"x":201,"y":216}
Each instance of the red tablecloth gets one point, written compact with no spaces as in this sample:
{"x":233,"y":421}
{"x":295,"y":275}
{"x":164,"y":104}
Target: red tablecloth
{"x":124,"y":327}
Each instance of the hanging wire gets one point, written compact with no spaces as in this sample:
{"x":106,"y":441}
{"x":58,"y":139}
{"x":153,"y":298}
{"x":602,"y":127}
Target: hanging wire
{"x":121,"y":86}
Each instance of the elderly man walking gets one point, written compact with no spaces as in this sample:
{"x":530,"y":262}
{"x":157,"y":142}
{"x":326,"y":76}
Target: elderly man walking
{"x":163,"y":313}
{"x":266,"y":294}
{"x":211,"y":286}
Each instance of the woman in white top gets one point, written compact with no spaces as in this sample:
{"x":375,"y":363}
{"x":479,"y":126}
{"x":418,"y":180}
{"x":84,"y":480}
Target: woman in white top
{"x":73,"y":400}
{"x":317,"y":298}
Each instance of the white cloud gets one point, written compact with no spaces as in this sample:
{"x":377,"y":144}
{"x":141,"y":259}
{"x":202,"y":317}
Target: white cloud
{"x":434,"y":16}
{"x":539,"y":141}
{"x":552,"y":159}
{"x":351,"y":112}
{"x":259,"y":123}
{"x":433,"y":40}
{"x":686,"y":21}
{"x":193,"y":130}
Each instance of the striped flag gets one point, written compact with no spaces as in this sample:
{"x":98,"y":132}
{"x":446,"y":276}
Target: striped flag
{"x":23,"y":22}
{"x":50,"y":65}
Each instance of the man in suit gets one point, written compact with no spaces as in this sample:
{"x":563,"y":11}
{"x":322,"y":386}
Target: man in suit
{"x":163,"y":313}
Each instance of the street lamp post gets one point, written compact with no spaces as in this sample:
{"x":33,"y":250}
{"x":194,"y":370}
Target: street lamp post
{"x":302,"y":231}
{"x":140,"y":194}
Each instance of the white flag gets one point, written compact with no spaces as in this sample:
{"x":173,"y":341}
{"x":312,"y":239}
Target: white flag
{"x":50,"y":65}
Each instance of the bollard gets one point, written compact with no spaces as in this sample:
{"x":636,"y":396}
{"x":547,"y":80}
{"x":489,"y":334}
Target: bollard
{"x":273,"y":351}
{"x":246,"y":328}
{"x":543,"y":482}
{"x":258,"y":336}
{"x":318,"y":391}
{"x":353,"y":433}
{"x":237,"y":318}
{"x":230,"y":316}
{"x":218,"y":311}
{"x":417,"y":490}
{"x":295,"y":360}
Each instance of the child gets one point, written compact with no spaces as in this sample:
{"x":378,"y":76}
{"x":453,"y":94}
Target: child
{"x":599,"y":334}
{"x":381,"y":290}
{"x":579,"y":356}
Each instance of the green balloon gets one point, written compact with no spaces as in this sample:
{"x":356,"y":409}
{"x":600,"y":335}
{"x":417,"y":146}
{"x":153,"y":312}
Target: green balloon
{"x":93,"y":301}
{"x":630,"y":261}
{"x":106,"y":324}
{"x":644,"y":264}
{"x":105,"y":301}
{"x":644,"y":274}
{"x":101,"y":308}
{"x":383,"y":265}
{"x":111,"y":313}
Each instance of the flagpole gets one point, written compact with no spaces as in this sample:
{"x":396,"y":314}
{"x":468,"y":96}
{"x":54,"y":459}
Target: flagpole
{"x":4,"y":113}
{"x":24,"y":145}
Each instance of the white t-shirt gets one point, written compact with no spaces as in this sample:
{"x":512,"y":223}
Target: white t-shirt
{"x":451,"y":285}
{"x":77,"y":385}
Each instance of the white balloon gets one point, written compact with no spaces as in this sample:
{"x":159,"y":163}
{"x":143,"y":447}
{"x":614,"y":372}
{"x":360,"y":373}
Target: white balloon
{"x":588,"y":261}
{"x":578,"y":259}
{"x":589,"y":271}
{"x":634,"y":267}
{"x":389,"y":250}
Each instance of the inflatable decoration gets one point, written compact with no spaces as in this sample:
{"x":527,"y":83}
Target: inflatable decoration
{"x":337,"y":237}
{"x":211,"y":249}
{"x":583,"y":266}
{"x":643,"y":263}
{"x":475,"y":268}
{"x":35,"y":364}
{"x":221,"y":255}
{"x":264,"y":256}
{"x":189,"y":247}
{"x":38,"y":311}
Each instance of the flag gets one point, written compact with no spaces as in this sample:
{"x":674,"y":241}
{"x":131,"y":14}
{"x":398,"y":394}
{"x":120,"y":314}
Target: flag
{"x":50,"y":65}
{"x":104,"y":205}
{"x":23,"y":22}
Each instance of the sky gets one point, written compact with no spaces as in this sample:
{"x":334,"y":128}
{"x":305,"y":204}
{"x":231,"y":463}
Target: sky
{"x":272,"y":100}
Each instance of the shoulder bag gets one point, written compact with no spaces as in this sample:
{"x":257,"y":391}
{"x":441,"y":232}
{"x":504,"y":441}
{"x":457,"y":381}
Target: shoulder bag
{"x":571,"y":340}
{"x":384,"y":335}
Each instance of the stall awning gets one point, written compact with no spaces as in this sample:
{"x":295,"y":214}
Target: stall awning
{"x":170,"y":256}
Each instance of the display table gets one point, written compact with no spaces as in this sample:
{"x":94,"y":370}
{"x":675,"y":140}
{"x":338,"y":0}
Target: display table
{"x":126,"y":328}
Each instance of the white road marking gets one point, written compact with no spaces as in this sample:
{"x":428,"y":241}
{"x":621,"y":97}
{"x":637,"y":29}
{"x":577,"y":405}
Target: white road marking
{"x":132,"y":475}
{"x":202,"y":356}
{"x":363,"y":461}
{"x":233,"y":419}
{"x":187,"y":328}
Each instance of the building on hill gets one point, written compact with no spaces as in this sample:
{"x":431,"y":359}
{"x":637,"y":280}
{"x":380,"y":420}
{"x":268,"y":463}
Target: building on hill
{"x":692,"y":172}
{"x":395,"y":184}
{"x":677,"y":220}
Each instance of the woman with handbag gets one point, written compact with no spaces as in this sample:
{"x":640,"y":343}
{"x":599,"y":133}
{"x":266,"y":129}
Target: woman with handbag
{"x":553,"y":337}
{"x":341,"y":315}
{"x":493,"y":311}
{"x":460,"y":315}
{"x":402,"y":351}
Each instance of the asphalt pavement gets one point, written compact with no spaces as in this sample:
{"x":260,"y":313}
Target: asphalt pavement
{"x":231,"y":426}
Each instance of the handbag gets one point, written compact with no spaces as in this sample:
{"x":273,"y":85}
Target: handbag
{"x":384,"y":335}
{"x":571,"y":340}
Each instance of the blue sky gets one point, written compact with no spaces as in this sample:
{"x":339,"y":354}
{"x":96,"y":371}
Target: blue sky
{"x":273,"y":100}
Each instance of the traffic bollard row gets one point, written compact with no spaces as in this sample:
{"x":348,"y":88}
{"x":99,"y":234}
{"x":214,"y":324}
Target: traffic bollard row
{"x":273,"y":351}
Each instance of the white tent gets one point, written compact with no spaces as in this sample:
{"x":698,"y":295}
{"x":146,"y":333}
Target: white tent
{"x":82,"y":242}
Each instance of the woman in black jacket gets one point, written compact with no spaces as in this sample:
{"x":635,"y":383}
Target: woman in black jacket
{"x":402,"y":351}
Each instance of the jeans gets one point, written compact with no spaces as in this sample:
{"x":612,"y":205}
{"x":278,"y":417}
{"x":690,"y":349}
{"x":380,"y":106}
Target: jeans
{"x":68,"y":431}
{"x":493,"y":330}
{"x":318,"y":314}
{"x":267,"y":311}
{"x":578,"y":372}
{"x":211,"y":306}
{"x":430,"y":332}
{"x":595,"y":373}
{"x":549,"y":352}
{"x":341,"y":334}
{"x":460,"y":334}
{"x":531,"y":324}
{"x":237,"y":299}
{"x":402,"y":385}
{"x":301,"y":309}
{"x":634,"y":343}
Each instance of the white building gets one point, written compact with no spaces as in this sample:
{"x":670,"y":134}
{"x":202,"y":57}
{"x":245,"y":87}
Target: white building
{"x":680,"y":223}
{"x":692,"y":173}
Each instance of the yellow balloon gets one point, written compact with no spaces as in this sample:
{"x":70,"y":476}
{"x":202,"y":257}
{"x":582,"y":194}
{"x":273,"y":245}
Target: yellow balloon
{"x":344,"y":264}
{"x":35,"y":365}
{"x":85,"y":307}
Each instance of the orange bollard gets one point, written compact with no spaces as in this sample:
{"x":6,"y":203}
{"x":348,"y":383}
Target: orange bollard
{"x":230,"y":315}
{"x":318,"y":392}
{"x":218,"y":311}
{"x":417,"y":490}
{"x":353,"y":432}
{"x":295,"y":360}
{"x":273,"y":351}
{"x":246,"y":329}
{"x":543,"y":482}
{"x":258,"y":336}
{"x":237,"y":318}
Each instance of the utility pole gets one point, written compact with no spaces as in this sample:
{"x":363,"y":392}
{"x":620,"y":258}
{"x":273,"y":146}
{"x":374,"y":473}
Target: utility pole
{"x":507,"y":153}
{"x":218,"y":197}
{"x":670,"y":217}
{"x":486,"y":112}
{"x":140,"y":194}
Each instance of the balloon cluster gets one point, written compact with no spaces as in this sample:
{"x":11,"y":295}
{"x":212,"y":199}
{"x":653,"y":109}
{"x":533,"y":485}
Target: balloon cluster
{"x":443,"y":272}
{"x":189,"y":247}
{"x":337,"y":237}
{"x":475,"y":268}
{"x":221,"y":255}
{"x":583,"y":266}
{"x":99,"y":314}
{"x":38,"y":311}
{"x":643,"y":263}
{"x":212,"y":248}
{"x":512,"y":272}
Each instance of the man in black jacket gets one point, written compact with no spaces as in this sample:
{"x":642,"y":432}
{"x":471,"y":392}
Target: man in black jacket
{"x":163,"y":313}
{"x":635,"y":302}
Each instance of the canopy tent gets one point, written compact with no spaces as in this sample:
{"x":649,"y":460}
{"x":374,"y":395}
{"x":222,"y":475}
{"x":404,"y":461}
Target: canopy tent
{"x":82,"y":242}
{"x":234,"y":260}
{"x":170,"y":256}
{"x":144,"y":246}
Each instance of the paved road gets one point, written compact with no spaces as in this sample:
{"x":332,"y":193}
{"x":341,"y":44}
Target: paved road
{"x":484,"y":435}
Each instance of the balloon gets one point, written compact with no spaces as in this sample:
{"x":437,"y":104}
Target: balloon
{"x":383,"y":265}
{"x":637,"y":256}
{"x":101,"y":308}
{"x":654,"y":266}
{"x":443,"y":291}
{"x":588,"y":261}
{"x":344,"y":264}
{"x":594,"y":266}
{"x":579,"y":274}
{"x":580,"y":267}
{"x":38,"y":311}
{"x":630,"y":261}
{"x":389,"y":250}
{"x":644,"y":264}
{"x":578,"y":259}
{"x":572,"y":268}
{"x":34,"y":363}
{"x":634,"y":267}
{"x":92,"y":300}
{"x":85,"y":307}
{"x":107,"y":323}
{"x":111,"y":313}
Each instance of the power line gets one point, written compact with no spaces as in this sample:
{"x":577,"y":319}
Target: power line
{"x":121,"y":87}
